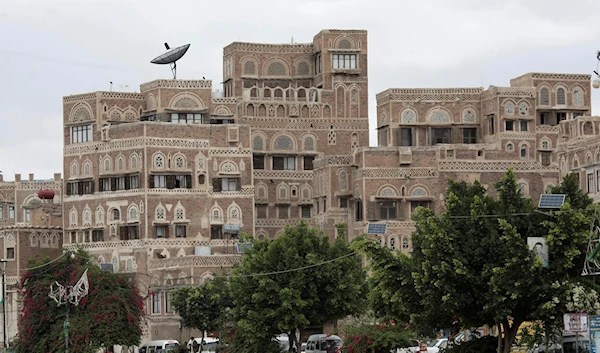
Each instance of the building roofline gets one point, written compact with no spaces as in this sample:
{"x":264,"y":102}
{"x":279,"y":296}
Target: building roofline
{"x":555,"y":76}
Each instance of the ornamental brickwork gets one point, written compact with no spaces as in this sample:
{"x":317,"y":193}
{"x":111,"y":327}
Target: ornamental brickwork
{"x":160,"y":184}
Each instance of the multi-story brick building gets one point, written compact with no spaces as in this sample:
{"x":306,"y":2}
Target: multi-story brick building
{"x":429,"y":135}
{"x":161,"y":183}
{"x":30,"y":228}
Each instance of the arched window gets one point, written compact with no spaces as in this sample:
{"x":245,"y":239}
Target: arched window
{"x":120,"y":163}
{"x":523,"y":151}
{"x":235,"y":214}
{"x":509,"y":108}
{"x":309,"y":144}
{"x":179,"y":213}
{"x":133,"y":213}
{"x":276,"y":69}
{"x":249,"y":68}
{"x":179,"y":162}
{"x":74,"y":169}
{"x":107,"y":164}
{"x":284,"y":143}
{"x":116,"y":214}
{"x":545,"y":145}
{"x":405,"y":243}
{"x":303,"y":68}
{"x":99,"y":216}
{"x":257,"y":143}
{"x":87,"y":168}
{"x":160,"y":213}
{"x":159,"y":161}
{"x":523,"y":108}
{"x":509,"y":147}
{"x":392,"y":243}
{"x":133,"y":161}
{"x":577,"y":97}
{"x":343,"y":180}
{"x":544,"y":96}
{"x":560,"y":96}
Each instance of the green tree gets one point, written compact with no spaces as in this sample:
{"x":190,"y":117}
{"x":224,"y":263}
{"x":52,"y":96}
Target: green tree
{"x":472,"y":266}
{"x":296,"y":281}
{"x":203,"y":307}
{"x":110,"y":314}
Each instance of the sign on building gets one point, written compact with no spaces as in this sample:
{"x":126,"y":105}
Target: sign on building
{"x":576,"y":322}
{"x":594,"y":333}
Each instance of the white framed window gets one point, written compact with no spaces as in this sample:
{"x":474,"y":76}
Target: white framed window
{"x":27,"y":215}
{"x":284,"y":163}
{"x":344,"y":61}
{"x":160,"y":181}
{"x":81,"y":133}
{"x":186,"y":118}
{"x":229,"y":184}
{"x":156,"y":302}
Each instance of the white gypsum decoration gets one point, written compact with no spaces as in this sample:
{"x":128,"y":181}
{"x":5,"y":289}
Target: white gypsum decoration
{"x":71,"y":294}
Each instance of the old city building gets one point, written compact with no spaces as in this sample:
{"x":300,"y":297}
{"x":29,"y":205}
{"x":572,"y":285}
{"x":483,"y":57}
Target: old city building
{"x":428,"y":135}
{"x":30,"y":228}
{"x":162,"y":183}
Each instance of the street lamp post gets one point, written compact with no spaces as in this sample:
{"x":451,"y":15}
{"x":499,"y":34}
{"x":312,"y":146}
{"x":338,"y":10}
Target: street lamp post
{"x":4,"y":345}
{"x":596,"y":80}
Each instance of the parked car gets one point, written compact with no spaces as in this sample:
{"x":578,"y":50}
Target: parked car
{"x":210,"y":344}
{"x":417,"y":346}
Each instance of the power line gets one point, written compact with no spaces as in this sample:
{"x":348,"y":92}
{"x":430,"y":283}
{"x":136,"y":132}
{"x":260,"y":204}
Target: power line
{"x":43,"y":265}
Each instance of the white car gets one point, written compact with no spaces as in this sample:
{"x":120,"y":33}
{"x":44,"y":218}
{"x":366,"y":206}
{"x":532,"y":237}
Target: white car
{"x":438,"y":345}
{"x":415,"y":346}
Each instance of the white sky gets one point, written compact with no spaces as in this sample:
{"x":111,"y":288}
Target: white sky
{"x":53,"y":48}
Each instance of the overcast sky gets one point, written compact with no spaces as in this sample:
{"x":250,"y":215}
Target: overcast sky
{"x":52,"y":48}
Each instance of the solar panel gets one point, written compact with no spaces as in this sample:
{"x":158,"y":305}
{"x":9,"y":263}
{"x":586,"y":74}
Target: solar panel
{"x":376,"y":228}
{"x":551,"y":201}
{"x":241,"y":247}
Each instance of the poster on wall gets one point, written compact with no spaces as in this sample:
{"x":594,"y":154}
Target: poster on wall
{"x":594,"y":321}
{"x":576,"y":322}
{"x":540,"y":248}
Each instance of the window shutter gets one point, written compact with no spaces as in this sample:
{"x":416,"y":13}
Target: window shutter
{"x":92,"y":187}
{"x":151,"y":182}
{"x":101,"y":184}
{"x":216,"y":185}
{"x":123,"y":233}
{"x":127,"y":182}
{"x":238,"y":184}
{"x":170,"y":181}
{"x":372,"y":211}
{"x":68,"y":188}
{"x":188,"y":181}
{"x":79,"y":188}
{"x":113,"y":184}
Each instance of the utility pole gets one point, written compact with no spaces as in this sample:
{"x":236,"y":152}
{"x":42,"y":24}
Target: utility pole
{"x":68,"y":305}
{"x":4,"y":345}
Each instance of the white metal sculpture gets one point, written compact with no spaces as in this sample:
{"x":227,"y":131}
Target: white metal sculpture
{"x":71,"y":294}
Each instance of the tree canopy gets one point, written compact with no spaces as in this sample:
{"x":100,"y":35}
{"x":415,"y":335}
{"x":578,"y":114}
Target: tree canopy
{"x":471,"y":265}
{"x":203,"y":307}
{"x":296,"y":281}
{"x":111,"y":313}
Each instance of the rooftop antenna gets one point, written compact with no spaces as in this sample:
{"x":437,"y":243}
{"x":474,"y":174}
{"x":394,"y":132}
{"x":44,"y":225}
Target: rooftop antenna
{"x":171,"y":57}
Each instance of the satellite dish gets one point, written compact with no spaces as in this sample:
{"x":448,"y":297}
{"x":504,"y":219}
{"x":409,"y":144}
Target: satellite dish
{"x":170,"y":57}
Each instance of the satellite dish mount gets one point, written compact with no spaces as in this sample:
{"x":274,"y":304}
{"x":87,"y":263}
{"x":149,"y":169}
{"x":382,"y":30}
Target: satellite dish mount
{"x":171,"y":57}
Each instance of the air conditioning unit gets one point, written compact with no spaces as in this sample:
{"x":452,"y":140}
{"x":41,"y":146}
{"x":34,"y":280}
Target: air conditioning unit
{"x":202,"y":251}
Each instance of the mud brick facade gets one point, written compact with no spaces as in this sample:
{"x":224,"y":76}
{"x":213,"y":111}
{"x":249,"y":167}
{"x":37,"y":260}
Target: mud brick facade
{"x":30,"y":228}
{"x":162,"y":183}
